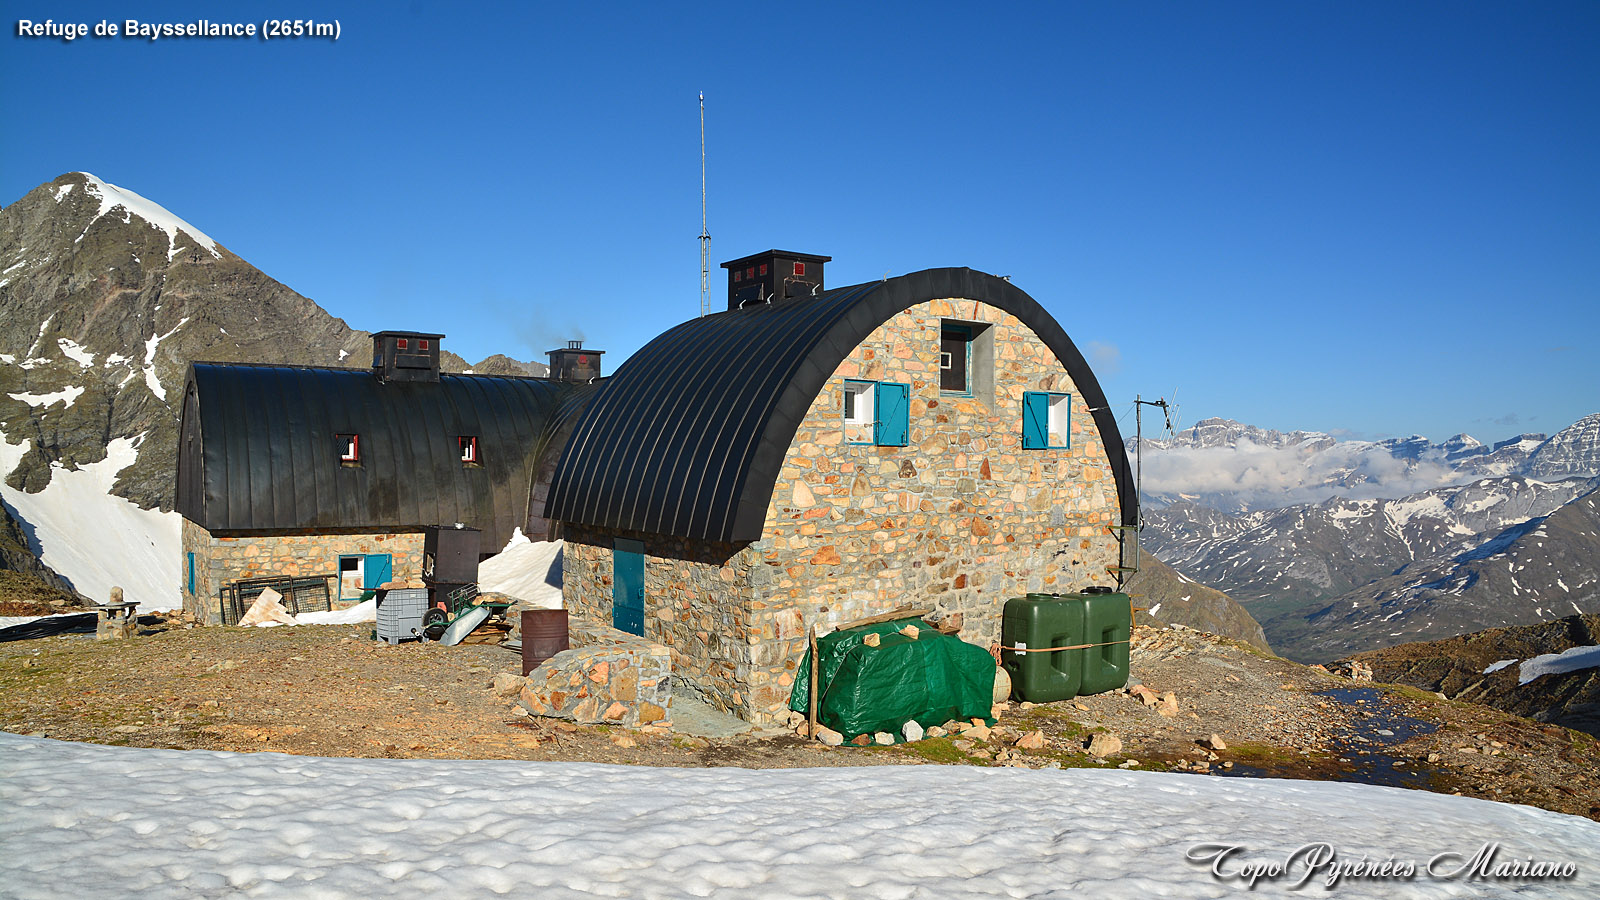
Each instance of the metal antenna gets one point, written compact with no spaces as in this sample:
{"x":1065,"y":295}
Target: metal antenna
{"x":705,"y":235}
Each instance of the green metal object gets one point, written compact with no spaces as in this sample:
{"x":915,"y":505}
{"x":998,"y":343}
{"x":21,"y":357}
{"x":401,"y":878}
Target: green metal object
{"x":1107,"y":622}
{"x":930,"y":679}
{"x":1037,"y":622}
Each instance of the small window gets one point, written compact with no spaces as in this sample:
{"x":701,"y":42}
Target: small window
{"x":955,"y":356}
{"x":750,"y":272}
{"x":1046,"y":421}
{"x":401,"y":343}
{"x":738,"y":276}
{"x":469,"y":449}
{"x":422,"y":343}
{"x":858,"y":421}
{"x":763,"y":271}
{"x":349,"y":448}
{"x":799,"y":268}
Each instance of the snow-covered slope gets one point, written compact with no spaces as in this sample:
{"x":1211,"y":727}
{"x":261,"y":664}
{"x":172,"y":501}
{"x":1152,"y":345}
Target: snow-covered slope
{"x":92,"y":821}
{"x":95,"y":539}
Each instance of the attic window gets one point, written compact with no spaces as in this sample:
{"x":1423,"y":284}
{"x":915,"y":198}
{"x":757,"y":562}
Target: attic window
{"x":469,"y":449}
{"x":401,"y":343}
{"x":738,"y":275}
{"x":349,"y":448}
{"x":763,"y":269}
{"x":422,"y":343}
{"x":799,"y":268}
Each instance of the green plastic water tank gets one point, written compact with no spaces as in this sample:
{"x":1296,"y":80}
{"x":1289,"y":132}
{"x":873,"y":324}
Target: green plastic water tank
{"x":1037,"y":621}
{"x":1107,"y":621}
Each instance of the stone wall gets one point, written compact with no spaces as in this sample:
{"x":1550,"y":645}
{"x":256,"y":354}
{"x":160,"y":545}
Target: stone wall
{"x":961,"y":519}
{"x":698,"y":596}
{"x":606,"y":677}
{"x":222,"y":560}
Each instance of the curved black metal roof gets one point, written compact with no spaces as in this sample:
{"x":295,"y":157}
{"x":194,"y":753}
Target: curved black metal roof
{"x":258,"y":449}
{"x":689,"y":435}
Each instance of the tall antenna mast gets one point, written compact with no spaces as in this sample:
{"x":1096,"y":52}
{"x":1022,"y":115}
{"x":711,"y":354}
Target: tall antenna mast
{"x":705,"y":235}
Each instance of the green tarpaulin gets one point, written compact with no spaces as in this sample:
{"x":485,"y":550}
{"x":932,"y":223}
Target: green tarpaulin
{"x":931,"y":679}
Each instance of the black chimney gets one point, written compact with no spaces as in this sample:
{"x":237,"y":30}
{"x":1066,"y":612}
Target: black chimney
{"x":574,"y":363}
{"x":773,"y":275}
{"x":406,"y":356}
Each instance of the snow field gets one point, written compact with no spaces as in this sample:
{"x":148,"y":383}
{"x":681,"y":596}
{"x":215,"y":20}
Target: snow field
{"x":96,"y":539}
{"x":87,"y":820}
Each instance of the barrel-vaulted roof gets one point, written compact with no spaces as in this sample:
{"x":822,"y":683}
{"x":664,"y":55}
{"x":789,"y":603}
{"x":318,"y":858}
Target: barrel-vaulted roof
{"x":260,"y":447}
{"x":688,"y":437}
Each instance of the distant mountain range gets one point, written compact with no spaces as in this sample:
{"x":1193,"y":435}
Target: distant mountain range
{"x":1234,"y":467}
{"x":105,"y":297}
{"x":1338,"y":575}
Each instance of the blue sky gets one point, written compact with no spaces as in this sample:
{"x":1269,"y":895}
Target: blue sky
{"x":1374,"y":219}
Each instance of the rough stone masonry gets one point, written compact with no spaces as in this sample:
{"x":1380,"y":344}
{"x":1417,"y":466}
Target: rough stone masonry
{"x":960,"y":519}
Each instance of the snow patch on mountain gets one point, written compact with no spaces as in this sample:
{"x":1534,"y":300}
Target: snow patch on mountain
{"x":150,"y":346}
{"x":67,"y":394}
{"x":73,"y":351}
{"x":112,"y":197}
{"x":94,"y":539}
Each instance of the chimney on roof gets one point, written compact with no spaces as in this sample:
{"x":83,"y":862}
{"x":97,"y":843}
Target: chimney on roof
{"x":773,"y":275}
{"x":406,"y":356}
{"x":574,"y":363}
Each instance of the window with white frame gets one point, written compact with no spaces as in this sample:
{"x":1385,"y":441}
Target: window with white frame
{"x":858,"y":418}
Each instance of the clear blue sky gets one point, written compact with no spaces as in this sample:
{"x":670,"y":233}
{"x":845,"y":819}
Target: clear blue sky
{"x":1368,"y":218}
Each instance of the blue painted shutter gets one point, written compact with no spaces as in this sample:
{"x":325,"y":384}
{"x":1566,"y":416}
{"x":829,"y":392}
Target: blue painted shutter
{"x":376,"y":570}
{"x":893,"y":407}
{"x":191,"y":573}
{"x":1035,"y":420}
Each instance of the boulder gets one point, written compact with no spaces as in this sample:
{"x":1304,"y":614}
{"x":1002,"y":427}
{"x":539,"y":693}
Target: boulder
{"x":829,"y":736}
{"x":1033,"y":740}
{"x":1104,"y":744}
{"x":912,"y":731}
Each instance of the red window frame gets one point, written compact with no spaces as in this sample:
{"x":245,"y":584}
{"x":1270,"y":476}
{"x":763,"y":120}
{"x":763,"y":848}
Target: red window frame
{"x":351,"y":450}
{"x":468,"y":445}
{"x":422,"y":343}
{"x":799,"y":268}
{"x":401,"y":344}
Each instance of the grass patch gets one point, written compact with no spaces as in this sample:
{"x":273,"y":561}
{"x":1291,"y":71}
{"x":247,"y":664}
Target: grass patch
{"x":937,"y":750}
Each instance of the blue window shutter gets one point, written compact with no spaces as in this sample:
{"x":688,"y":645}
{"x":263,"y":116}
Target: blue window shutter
{"x":1035,"y":420}
{"x":376,"y":570}
{"x":191,"y":573}
{"x":893,"y":407}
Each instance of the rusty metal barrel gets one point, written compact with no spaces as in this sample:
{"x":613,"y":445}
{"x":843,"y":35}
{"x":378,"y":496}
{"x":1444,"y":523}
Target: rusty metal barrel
{"x":544,"y":634}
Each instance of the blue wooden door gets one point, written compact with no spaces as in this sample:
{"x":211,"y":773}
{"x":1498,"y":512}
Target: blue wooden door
{"x":627,"y":586}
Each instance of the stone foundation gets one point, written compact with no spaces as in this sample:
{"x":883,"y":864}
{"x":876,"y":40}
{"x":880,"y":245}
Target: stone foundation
{"x":219,"y":561}
{"x":608,"y":677}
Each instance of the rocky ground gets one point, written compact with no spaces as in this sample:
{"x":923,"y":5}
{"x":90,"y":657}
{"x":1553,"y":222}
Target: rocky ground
{"x":1209,"y":706}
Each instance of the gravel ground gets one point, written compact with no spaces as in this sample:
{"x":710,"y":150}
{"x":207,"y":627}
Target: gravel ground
{"x":333,"y":691}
